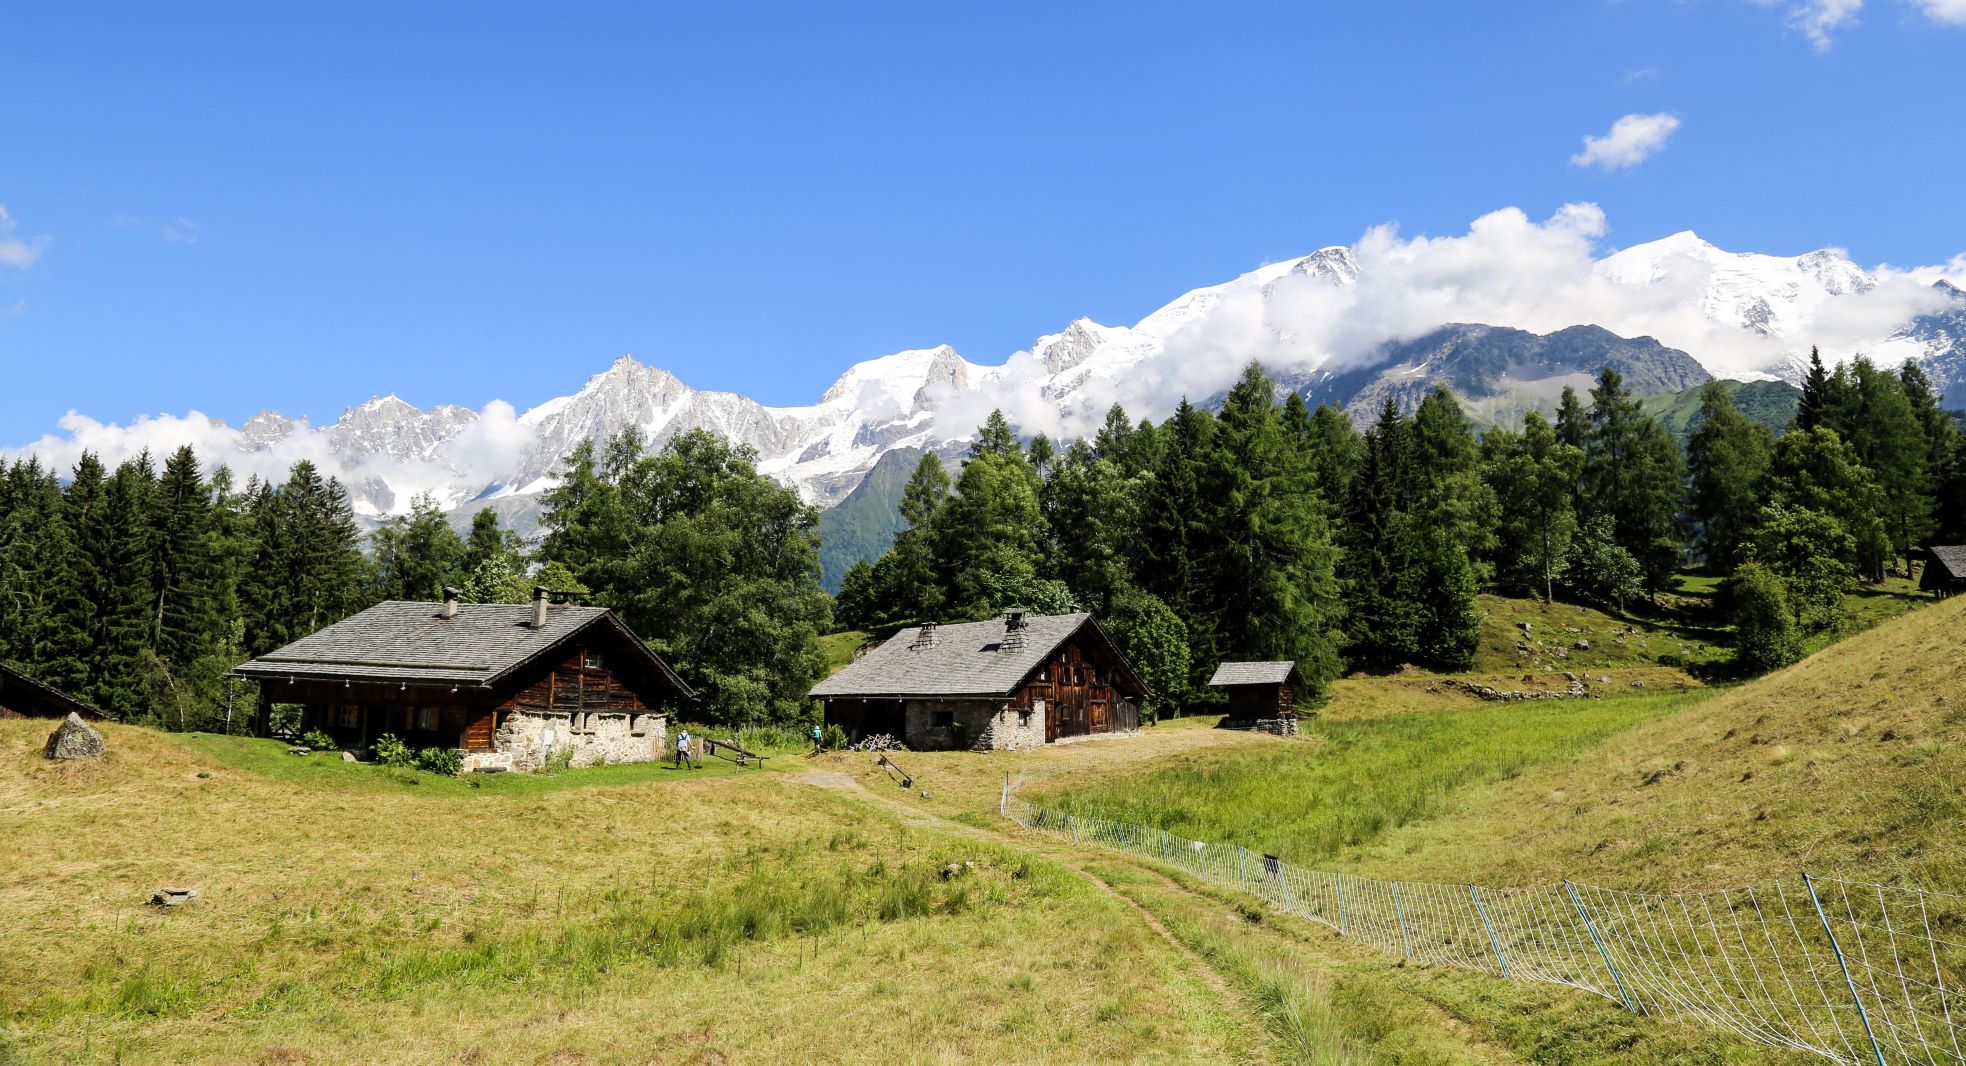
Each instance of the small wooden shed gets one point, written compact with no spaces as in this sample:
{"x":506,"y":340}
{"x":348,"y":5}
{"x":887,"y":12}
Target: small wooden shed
{"x":1945,"y":570}
{"x":1262,"y":695}
{"x":512,"y":686}
{"x":22,"y":696}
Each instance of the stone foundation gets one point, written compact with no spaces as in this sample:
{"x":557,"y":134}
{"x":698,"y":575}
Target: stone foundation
{"x":1282,"y":727}
{"x":527,"y":740}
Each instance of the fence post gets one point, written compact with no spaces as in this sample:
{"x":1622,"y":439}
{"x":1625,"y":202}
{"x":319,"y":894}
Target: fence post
{"x":1405,"y":942}
{"x":1875,"y":1048}
{"x":1242,"y":866}
{"x":1339,"y":880}
{"x":1003,"y":804}
{"x":1591,"y":927}
{"x":1073,"y":824}
{"x":1485,"y":924}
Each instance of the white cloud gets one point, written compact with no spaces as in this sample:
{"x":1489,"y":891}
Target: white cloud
{"x":1506,"y":270}
{"x":1815,"y":19}
{"x":1952,"y":11}
{"x":14,"y":251}
{"x":180,"y":230}
{"x":1953,"y":271}
{"x":1630,"y":141}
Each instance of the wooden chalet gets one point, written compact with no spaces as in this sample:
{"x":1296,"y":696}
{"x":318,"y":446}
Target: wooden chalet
{"x":1020,"y":681}
{"x":22,"y":696}
{"x":510,"y":685}
{"x":1262,"y":695}
{"x":1945,"y":570}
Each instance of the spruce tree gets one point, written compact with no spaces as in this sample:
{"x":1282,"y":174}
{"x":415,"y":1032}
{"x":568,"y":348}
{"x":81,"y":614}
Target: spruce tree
{"x":1632,"y":474}
{"x":1269,"y":564}
{"x":1889,"y":437}
{"x":185,"y":619}
{"x":1382,"y":582}
{"x":1727,"y":457}
{"x":1534,"y":477}
{"x":1175,"y":525}
{"x":1814,"y":407}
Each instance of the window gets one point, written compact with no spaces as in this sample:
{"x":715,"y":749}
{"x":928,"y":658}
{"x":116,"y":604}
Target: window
{"x":942,"y":719}
{"x":426,"y":719}
{"x":595,"y":662}
{"x":348,"y":716}
{"x":1024,"y":716}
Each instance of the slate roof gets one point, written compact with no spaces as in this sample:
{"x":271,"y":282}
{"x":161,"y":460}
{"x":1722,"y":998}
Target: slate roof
{"x":12,"y":680}
{"x":1253,"y":673}
{"x":1952,"y":557}
{"x":968,"y":659}
{"x":412,"y":643}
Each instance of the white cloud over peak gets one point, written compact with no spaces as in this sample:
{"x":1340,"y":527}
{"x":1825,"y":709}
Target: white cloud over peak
{"x":1815,"y":19}
{"x":1952,"y":11}
{"x":1631,"y":140}
{"x":14,"y":251}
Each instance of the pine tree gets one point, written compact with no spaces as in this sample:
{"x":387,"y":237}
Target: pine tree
{"x":1632,"y":474}
{"x":1174,"y":528}
{"x":906,"y":583}
{"x":1383,"y":584}
{"x":1889,"y":437}
{"x":1091,"y":523}
{"x":185,"y":623}
{"x":1814,"y":407}
{"x":1728,"y":458}
{"x":1270,"y":563}
{"x":1573,"y":422}
{"x":38,"y":587}
{"x":1815,"y":470}
{"x":1452,"y":513}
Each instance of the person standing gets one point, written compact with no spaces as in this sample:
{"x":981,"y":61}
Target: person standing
{"x":818,"y":739}
{"x":682,"y":749}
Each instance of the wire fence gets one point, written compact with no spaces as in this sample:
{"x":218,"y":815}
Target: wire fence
{"x":1855,"y":972}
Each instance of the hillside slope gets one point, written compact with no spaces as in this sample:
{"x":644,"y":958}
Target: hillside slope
{"x":1851,"y":762}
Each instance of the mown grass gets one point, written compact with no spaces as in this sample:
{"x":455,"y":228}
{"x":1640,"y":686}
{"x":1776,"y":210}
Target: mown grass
{"x":1347,"y":782}
{"x":735,"y":919}
{"x":838,"y":648}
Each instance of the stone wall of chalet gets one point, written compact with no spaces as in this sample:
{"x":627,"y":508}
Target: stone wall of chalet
{"x":978,"y":725}
{"x":528,"y":739}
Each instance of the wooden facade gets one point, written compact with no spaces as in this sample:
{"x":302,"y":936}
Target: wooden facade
{"x":1257,"y":692}
{"x":1945,"y":571}
{"x":1015,"y":683}
{"x":507,"y":685}
{"x":22,"y":696}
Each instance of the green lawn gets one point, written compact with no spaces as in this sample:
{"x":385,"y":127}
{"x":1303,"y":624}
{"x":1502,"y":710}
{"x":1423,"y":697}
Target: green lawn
{"x":839,"y":647}
{"x":270,"y":759}
{"x":1348,"y":782}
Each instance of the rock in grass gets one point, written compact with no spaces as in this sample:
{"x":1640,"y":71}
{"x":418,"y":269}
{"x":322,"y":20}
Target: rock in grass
{"x":73,"y":739}
{"x":349,"y":756}
{"x":173,"y":897}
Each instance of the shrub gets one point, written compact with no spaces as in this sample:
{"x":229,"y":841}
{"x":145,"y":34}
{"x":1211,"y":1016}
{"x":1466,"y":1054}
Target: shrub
{"x":446,"y":761}
{"x":390,"y":751}
{"x":835,"y":738}
{"x":1765,"y":635}
{"x":318,"y":740}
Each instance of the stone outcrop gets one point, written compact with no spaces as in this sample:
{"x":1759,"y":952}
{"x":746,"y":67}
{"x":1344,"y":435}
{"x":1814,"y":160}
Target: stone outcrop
{"x":73,"y":739}
{"x":1574,"y":689}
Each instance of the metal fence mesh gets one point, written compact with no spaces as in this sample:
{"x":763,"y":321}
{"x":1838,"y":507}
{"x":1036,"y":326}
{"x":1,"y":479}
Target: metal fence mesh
{"x":1855,"y":972}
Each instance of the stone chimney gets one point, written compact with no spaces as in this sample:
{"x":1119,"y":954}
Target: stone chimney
{"x":451,"y":597}
{"x":925,"y":637}
{"x":541,"y":597}
{"x":1013,"y":630}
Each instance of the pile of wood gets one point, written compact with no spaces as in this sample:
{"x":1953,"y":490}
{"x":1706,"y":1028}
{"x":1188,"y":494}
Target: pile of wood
{"x":879,"y":742}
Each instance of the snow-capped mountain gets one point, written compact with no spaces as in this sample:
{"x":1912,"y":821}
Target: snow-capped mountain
{"x":1334,"y":324}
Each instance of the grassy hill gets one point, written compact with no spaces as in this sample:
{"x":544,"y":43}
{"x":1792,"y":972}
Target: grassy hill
{"x":1771,"y":403}
{"x":863,"y":525}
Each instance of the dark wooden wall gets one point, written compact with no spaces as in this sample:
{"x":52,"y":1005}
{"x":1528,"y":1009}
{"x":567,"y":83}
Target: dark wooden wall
{"x":1076,"y":685}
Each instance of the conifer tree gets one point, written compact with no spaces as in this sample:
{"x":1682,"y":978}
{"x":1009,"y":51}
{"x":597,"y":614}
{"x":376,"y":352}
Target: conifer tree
{"x":416,"y":556}
{"x":1814,"y":407}
{"x":185,"y":622}
{"x":1174,"y":529}
{"x":1728,"y":459}
{"x":1815,"y":470}
{"x":1632,"y":474}
{"x":1889,"y":437}
{"x":1270,"y":564}
{"x":1383,"y":586}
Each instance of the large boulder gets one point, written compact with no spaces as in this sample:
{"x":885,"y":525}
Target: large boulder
{"x":73,"y":739}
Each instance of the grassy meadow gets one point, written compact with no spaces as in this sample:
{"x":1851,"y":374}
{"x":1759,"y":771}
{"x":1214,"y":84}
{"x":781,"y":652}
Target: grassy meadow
{"x":816,"y":911}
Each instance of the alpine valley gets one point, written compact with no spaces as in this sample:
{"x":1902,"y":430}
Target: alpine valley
{"x":387,"y":450}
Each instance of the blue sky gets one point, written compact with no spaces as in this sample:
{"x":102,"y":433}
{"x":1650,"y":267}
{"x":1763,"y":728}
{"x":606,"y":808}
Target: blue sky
{"x":230,"y":208}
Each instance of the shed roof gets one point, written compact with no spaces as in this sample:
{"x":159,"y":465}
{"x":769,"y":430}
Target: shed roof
{"x":411,"y":642}
{"x":1951,"y":557}
{"x":1253,"y":673}
{"x":968,"y":659}
{"x":14,"y":681}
